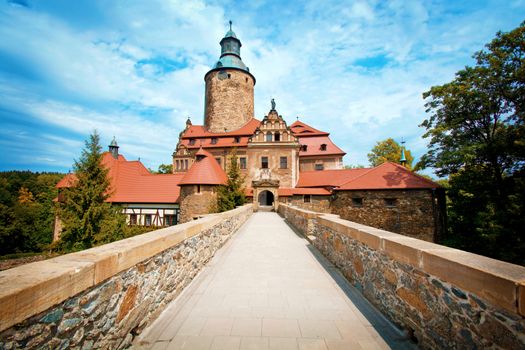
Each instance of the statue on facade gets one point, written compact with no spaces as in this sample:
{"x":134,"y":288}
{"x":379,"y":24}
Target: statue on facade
{"x":273,"y":104}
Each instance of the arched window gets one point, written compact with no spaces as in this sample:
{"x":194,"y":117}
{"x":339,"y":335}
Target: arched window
{"x":269,"y":137}
{"x":277,"y":137}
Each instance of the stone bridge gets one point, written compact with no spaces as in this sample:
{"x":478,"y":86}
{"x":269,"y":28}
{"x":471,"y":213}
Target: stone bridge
{"x":299,"y":280}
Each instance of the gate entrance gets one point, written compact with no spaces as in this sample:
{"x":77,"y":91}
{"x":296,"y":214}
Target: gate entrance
{"x":266,"y":198}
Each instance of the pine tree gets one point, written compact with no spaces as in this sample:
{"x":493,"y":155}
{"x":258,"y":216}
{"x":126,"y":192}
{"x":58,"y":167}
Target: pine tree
{"x":231,"y":195}
{"x":88,"y":219}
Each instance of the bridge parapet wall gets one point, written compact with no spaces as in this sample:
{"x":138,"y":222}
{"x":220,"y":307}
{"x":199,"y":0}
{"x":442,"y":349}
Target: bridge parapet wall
{"x":104,"y":296}
{"x":444,"y":297}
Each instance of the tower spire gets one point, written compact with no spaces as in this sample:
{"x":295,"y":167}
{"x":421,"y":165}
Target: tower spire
{"x":403,"y":159}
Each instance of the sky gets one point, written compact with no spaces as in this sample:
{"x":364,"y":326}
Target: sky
{"x":135,"y":69}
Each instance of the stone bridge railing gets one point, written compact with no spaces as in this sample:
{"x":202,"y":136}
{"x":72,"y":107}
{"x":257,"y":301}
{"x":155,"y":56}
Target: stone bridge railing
{"x":445,"y":298}
{"x":104,"y":296}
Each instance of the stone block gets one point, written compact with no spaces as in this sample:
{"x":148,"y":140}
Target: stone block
{"x":521,"y":299}
{"x":405,"y":249}
{"x":492,"y":280}
{"x":29,"y":289}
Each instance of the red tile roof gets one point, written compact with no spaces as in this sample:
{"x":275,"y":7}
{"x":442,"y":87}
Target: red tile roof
{"x":301,"y":129}
{"x":312,"y":191}
{"x":388,"y":176}
{"x":204,"y":171}
{"x":328,"y":178}
{"x":131,"y":182}
{"x":313,"y":147}
{"x":199,"y":131}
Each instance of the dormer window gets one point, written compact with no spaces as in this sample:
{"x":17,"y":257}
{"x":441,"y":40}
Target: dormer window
{"x":237,"y":139}
{"x":192,"y":142}
{"x":323,"y":147}
{"x":213,"y":140}
{"x":304,"y":148}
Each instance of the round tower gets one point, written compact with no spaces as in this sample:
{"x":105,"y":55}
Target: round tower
{"x":228,"y":103}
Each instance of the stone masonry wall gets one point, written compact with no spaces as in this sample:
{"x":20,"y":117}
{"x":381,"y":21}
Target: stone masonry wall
{"x":193,"y":204}
{"x":413,"y":214}
{"x":445,"y":298}
{"x":320,"y":204}
{"x":103,"y":297}
{"x":228,"y":100}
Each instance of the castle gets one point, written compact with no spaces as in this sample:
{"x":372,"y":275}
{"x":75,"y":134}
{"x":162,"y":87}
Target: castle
{"x":281,"y":163}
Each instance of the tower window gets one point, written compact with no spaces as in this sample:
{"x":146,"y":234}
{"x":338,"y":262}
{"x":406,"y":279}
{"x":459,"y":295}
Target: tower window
{"x":269,"y":137}
{"x":323,"y":147}
{"x":264,"y":162}
{"x":277,"y":136}
{"x":229,"y":75}
{"x":242,"y":162}
{"x":283,"y":162}
{"x":213,"y":140}
{"x":192,"y":142}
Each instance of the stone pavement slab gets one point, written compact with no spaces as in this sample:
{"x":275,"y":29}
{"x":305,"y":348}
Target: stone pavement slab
{"x":268,"y":288}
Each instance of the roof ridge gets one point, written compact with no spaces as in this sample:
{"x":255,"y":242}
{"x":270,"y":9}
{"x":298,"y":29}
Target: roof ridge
{"x":414,"y":173}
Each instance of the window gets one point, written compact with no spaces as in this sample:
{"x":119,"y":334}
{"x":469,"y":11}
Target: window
{"x":213,"y":140}
{"x":269,"y":137}
{"x":177,"y":165}
{"x":264,"y":162}
{"x":307,"y":198}
{"x":186,"y":164}
{"x":277,"y":137}
{"x":237,"y":139}
{"x":304,"y":148}
{"x":242,"y":163}
{"x":218,"y":159}
{"x":319,"y":166}
{"x":323,"y":147}
{"x":357,"y":202}
{"x":170,"y":220}
{"x":390,"y":202}
{"x":198,"y":188}
{"x":283,"y":162}
{"x":132,"y":219}
{"x":147,"y":220}
{"x":192,"y":142}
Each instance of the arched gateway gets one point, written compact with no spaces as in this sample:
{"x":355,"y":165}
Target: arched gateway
{"x":266,"y":198}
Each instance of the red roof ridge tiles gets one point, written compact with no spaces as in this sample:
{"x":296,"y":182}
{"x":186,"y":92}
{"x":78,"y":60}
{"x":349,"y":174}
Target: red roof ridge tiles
{"x":204,"y":171}
{"x":300,"y":129}
{"x":388,"y":175}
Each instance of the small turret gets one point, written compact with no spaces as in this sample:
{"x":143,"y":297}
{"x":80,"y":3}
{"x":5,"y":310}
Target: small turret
{"x":403,"y":159}
{"x":113,"y":148}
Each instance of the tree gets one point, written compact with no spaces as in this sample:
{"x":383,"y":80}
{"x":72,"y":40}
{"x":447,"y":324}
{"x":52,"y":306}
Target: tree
{"x":388,"y":151}
{"x":231,"y":195}
{"x":476,"y":131}
{"x":165,"y":169}
{"x":352,"y":166}
{"x":88,"y":219}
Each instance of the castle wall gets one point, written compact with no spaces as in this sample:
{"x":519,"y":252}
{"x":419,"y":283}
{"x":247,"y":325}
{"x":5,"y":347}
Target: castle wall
{"x":194,"y":203}
{"x":228,"y":99}
{"x":408,"y":212}
{"x":308,"y":164}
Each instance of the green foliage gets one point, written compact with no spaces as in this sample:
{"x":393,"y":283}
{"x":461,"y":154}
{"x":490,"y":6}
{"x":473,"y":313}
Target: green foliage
{"x":88,"y":220}
{"x":165,"y":169}
{"x":26,"y":211}
{"x":388,"y":151}
{"x":477,"y":138}
{"x":231,"y":195}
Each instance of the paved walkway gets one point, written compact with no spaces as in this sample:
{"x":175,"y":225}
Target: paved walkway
{"x":269,"y":289}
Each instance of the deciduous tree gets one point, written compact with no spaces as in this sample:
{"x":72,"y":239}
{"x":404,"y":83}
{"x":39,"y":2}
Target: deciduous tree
{"x":388,"y":151}
{"x":477,"y":138}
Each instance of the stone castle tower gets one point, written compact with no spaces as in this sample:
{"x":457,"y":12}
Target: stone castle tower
{"x":228,"y":102}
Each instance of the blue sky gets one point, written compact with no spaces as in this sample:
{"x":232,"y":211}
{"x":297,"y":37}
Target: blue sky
{"x":135,"y":69}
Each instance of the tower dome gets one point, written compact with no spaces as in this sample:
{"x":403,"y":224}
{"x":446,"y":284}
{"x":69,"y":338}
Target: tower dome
{"x":228,"y":103}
